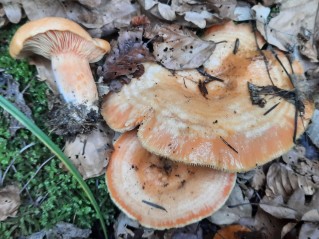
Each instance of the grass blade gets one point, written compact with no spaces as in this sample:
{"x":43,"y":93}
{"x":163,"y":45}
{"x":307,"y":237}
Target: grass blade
{"x":17,"y":114}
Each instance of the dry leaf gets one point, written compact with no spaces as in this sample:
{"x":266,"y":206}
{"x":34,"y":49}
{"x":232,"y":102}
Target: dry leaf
{"x":166,"y":12}
{"x":228,"y":215}
{"x":180,"y":49}
{"x":126,"y":57}
{"x":90,"y":153}
{"x":259,"y":179}
{"x":45,"y":72}
{"x":9,"y":201}
{"x":309,"y":230}
{"x":102,"y":16}
{"x":281,"y":181}
{"x":192,"y":13}
{"x":62,"y":230}
{"x":266,"y":224}
{"x":294,"y":25}
{"x":13,"y":12}
{"x":242,"y":12}
{"x":193,"y":231}
{"x":287,"y":228}
{"x":299,"y":172}
{"x":9,"y":88}
{"x":313,"y":130}
{"x":306,"y":170}
{"x":121,"y":230}
{"x":295,"y":208}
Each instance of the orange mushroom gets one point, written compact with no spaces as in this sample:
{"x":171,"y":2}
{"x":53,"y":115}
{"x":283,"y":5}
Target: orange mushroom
{"x":232,"y":232}
{"x":160,"y":193}
{"x":224,"y":129}
{"x":70,"y":49}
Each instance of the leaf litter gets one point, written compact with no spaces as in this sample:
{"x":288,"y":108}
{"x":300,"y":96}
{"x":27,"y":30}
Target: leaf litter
{"x":274,"y":200}
{"x":9,"y":88}
{"x":178,"y":48}
{"x":9,"y":201}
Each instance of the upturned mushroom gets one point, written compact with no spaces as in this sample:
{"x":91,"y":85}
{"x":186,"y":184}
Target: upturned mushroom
{"x":70,"y":49}
{"x":206,"y":117}
{"x":160,"y":193}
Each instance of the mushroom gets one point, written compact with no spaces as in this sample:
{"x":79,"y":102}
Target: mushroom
{"x":70,"y":49}
{"x":160,"y":193}
{"x":221,"y":128}
{"x":235,"y":232}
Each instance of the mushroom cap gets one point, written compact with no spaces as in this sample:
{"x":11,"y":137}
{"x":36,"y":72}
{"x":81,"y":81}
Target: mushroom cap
{"x":231,"y":232}
{"x":224,"y":130}
{"x":138,"y":181}
{"x":44,"y":25}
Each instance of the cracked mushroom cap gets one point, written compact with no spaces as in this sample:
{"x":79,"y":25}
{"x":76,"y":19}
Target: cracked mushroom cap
{"x":160,"y":193}
{"x":221,"y":129}
{"x":52,"y":35}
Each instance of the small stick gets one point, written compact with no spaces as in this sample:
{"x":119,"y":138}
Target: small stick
{"x":272,"y":108}
{"x":225,"y":142}
{"x":154,"y":205}
{"x":236,"y":46}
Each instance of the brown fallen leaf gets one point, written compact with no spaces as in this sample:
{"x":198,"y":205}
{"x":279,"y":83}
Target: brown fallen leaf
{"x":280,"y":181}
{"x":191,"y":13}
{"x":235,"y":209}
{"x":268,"y":226}
{"x":122,"y":229}
{"x":259,"y":179}
{"x":126,"y":58}
{"x":45,"y":72}
{"x":9,"y":201}
{"x":294,"y":25}
{"x":103,"y":17}
{"x":298,"y":172}
{"x":90,"y":152}
{"x":295,"y":208}
{"x":306,"y":170}
{"x":62,"y":230}
{"x":178,"y":48}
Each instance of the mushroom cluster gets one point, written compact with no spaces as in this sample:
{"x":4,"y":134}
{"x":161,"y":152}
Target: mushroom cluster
{"x":205,"y":117}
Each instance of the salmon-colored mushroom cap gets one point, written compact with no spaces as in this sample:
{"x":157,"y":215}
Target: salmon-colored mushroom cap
{"x":73,"y":34}
{"x":160,"y":193}
{"x":224,"y":130}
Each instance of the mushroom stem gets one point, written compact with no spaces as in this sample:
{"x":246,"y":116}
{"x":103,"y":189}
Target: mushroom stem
{"x":74,"y":79}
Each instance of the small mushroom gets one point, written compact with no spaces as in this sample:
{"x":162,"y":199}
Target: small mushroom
{"x":206,"y":117}
{"x":70,"y":49}
{"x":160,"y":193}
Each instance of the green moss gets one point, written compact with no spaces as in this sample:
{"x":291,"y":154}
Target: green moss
{"x":53,"y":194}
